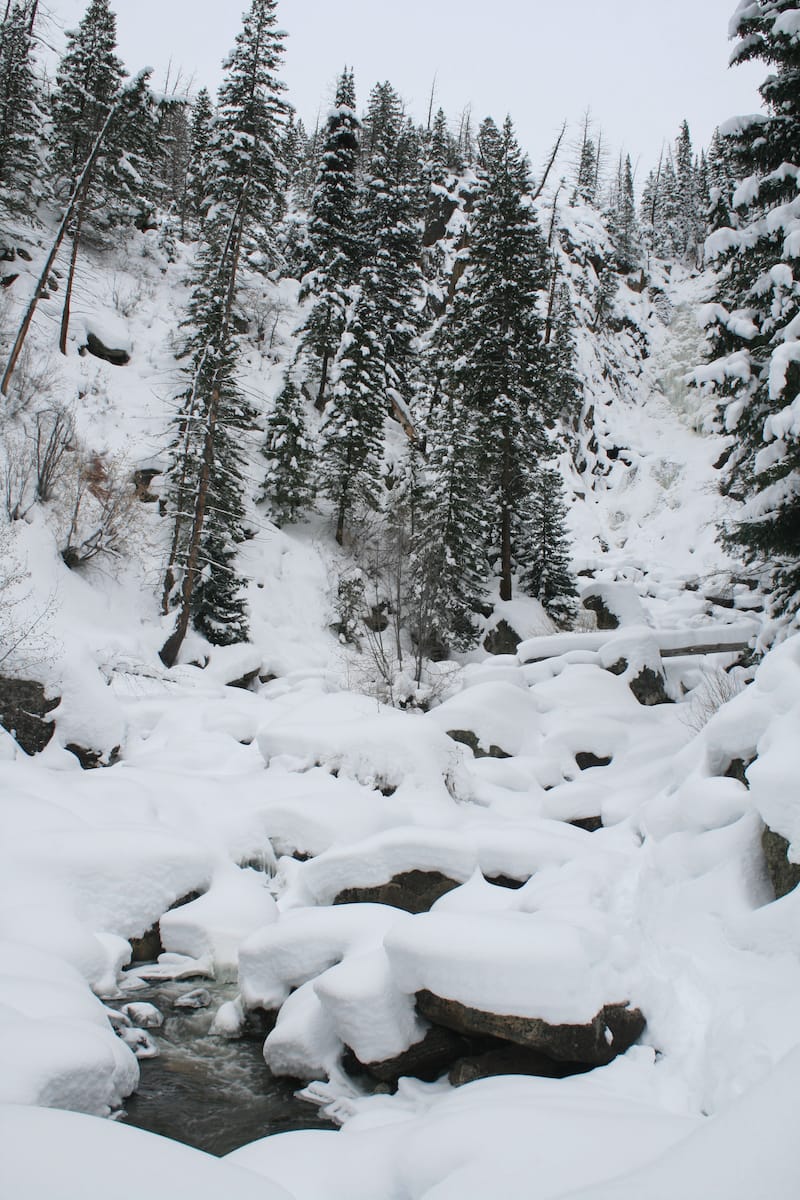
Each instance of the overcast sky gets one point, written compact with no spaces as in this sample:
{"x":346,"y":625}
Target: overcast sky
{"x":641,"y":66}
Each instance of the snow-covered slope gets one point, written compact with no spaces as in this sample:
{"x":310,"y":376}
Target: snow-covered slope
{"x":272,"y":801}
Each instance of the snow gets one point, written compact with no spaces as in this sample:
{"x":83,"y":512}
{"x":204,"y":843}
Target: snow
{"x":64,"y":1154}
{"x":217,"y":789}
{"x":523,"y":964}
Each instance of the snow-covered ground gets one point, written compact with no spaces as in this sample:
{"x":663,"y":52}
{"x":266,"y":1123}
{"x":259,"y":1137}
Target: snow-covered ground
{"x":273,"y":801}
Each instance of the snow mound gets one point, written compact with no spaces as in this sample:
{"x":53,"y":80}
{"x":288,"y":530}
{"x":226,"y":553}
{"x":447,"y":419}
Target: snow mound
{"x":213,"y":926}
{"x":64,"y":1154}
{"x":370,"y":742}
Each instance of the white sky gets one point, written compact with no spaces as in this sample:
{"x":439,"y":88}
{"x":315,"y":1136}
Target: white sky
{"x":639,"y":65}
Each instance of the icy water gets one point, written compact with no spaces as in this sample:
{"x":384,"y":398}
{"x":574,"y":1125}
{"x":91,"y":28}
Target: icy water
{"x":209,"y":1092}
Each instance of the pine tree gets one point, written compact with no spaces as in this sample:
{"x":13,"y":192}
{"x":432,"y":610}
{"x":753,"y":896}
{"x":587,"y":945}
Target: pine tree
{"x":546,"y":575}
{"x":623,"y":225}
{"x":20,"y":114}
{"x":449,"y":567}
{"x":207,"y":483}
{"x":288,"y":486}
{"x":500,"y":361}
{"x":197,"y":167}
{"x":333,"y":245}
{"x":390,"y":215}
{"x":350,"y":459}
{"x":246,"y":172}
{"x":690,"y":226}
{"x":755,"y":337}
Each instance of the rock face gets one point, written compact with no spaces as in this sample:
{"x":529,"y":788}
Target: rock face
{"x":611,"y":1032}
{"x":413,"y":891}
{"x":23,"y":712}
{"x":784,"y":875}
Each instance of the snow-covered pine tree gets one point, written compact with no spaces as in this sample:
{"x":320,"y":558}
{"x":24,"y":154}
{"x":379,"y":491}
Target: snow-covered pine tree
{"x":288,"y":485}
{"x":546,"y":575}
{"x":755,"y":323}
{"x":333,"y":244}
{"x":207,"y":484}
{"x":197,"y":167}
{"x":20,"y":114}
{"x":689,"y":222}
{"x":500,"y":363}
{"x":622,"y":223}
{"x":391,"y":212}
{"x":350,"y":456}
{"x":247,"y":175}
{"x":448,"y":567}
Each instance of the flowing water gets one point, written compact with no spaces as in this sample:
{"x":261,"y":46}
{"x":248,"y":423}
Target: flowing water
{"x":210,"y":1092}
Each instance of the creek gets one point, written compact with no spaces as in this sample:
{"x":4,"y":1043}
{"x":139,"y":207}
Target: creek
{"x":210,"y":1092}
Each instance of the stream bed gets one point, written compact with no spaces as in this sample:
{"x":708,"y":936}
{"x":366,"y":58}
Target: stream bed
{"x":210,"y":1092}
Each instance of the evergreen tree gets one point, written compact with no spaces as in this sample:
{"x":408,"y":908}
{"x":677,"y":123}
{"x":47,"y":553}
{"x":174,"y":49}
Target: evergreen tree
{"x":755,"y":337}
{"x":500,"y":362}
{"x":333,"y":245}
{"x":448,"y":567}
{"x":690,"y":226}
{"x":390,"y":216}
{"x":588,"y":166}
{"x":623,"y":225}
{"x":246,"y":169}
{"x":197,"y":167}
{"x":546,"y":574}
{"x":20,"y":114}
{"x":288,"y":485}
{"x":350,"y":460}
{"x":207,"y":483}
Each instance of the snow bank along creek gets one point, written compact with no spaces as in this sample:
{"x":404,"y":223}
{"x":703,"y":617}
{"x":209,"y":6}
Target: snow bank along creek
{"x":210,"y":1092}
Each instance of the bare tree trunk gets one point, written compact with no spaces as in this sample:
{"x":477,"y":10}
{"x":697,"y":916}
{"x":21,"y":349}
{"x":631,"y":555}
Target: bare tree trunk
{"x":19,"y":342}
{"x":169,"y":651}
{"x":505,"y":523}
{"x":551,"y":162}
{"x":73,"y":261}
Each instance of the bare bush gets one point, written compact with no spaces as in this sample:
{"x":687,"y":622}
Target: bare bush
{"x":99,"y":506}
{"x":716,"y":688}
{"x":24,"y":641}
{"x":54,"y":432}
{"x":30,"y":383}
{"x":16,"y":478}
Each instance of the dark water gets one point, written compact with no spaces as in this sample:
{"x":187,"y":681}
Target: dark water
{"x":210,"y":1092}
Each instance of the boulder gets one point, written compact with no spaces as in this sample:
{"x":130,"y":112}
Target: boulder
{"x":413,"y":891}
{"x":146,"y":949}
{"x":783,"y":874}
{"x":23,"y":712}
{"x":511,"y":1060}
{"x":426,"y":1059}
{"x":197,"y":998}
{"x":609,"y":1033}
{"x":468,"y":738}
{"x":649,"y":686}
{"x":585,"y":759}
{"x":502,"y":639}
{"x":116,"y":356}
